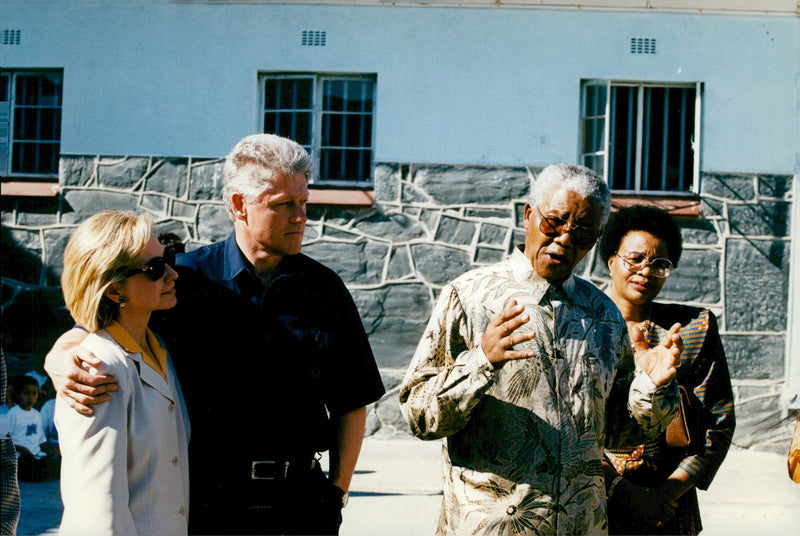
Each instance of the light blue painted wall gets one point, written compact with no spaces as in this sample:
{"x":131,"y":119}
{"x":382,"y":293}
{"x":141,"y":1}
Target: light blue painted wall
{"x":494,"y":86}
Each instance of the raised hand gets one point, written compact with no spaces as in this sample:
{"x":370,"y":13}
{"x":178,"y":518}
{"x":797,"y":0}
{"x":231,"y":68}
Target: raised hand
{"x":659,"y":362}
{"x":500,"y":336}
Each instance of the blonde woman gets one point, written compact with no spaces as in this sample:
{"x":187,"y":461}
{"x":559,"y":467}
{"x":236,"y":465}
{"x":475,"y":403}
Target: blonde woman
{"x":125,"y":468}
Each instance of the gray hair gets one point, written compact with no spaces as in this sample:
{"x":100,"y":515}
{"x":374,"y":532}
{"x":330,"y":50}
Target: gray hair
{"x":578,"y":179}
{"x":253,"y":162}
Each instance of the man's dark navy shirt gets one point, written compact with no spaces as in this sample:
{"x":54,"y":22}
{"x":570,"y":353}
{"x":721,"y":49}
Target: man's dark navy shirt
{"x":265,"y":363}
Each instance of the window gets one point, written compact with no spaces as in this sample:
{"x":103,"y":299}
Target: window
{"x":331,"y":116}
{"x":30,"y":123}
{"x":642,"y":137}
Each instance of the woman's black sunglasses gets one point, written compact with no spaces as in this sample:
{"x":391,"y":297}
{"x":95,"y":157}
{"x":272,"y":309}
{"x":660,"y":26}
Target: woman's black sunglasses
{"x":155,"y":267}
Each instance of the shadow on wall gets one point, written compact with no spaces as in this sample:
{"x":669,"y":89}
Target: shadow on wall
{"x":32,"y":316}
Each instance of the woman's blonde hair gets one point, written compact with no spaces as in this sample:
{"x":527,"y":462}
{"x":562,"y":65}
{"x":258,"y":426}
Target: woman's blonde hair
{"x":99,"y":253}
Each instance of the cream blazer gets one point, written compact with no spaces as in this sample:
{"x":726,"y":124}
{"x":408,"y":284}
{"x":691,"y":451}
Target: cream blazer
{"x":125,"y":469}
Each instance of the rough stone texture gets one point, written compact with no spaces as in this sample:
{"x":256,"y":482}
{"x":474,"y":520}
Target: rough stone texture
{"x":168,"y":176}
{"x":380,"y":225}
{"x":213,"y":223}
{"x":755,"y":356}
{"x":731,"y":186}
{"x":455,"y":231}
{"x":776,"y":186}
{"x":430,"y":223}
{"x":121,"y":172}
{"x":205,"y":180}
{"x":80,"y":204}
{"x":696,"y":279}
{"x":449,"y":185}
{"x":767,"y":219}
{"x":76,"y":170}
{"x":756,"y":284}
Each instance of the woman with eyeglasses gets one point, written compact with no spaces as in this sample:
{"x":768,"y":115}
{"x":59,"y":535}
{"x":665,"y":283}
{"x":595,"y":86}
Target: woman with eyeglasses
{"x":124,"y":469}
{"x":651,"y":487}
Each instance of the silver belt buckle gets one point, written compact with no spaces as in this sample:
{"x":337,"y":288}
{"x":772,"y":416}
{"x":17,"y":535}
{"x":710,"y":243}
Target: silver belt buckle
{"x":272,"y":464}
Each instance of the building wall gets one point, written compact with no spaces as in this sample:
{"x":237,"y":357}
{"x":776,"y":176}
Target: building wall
{"x":181,"y":78}
{"x":470,"y":104}
{"x":430,"y":223}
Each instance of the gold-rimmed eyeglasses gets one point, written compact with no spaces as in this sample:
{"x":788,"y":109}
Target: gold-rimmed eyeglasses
{"x":635,"y":261}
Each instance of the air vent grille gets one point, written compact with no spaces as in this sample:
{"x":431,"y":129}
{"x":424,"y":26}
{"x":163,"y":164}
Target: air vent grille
{"x":643,"y":45}
{"x":12,"y":37}
{"x":313,"y":38}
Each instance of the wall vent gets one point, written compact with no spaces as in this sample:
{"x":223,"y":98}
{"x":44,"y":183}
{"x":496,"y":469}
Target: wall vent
{"x":12,"y":37}
{"x":643,"y":45}
{"x":313,"y":38}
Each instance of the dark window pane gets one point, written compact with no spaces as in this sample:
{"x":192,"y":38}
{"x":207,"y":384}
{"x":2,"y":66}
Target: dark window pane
{"x":622,"y":154}
{"x":358,"y":131}
{"x":595,"y":100}
{"x":4,"y":87}
{"x":271,"y":92}
{"x":302,"y":132}
{"x":332,"y":130}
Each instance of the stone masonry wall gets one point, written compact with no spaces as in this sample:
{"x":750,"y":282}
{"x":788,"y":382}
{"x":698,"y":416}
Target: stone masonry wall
{"x":429,"y":224}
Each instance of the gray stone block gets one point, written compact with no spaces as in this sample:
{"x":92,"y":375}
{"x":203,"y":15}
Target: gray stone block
{"x":765,"y":219}
{"x":489,"y":213}
{"x":184,"y":210}
{"x":450,"y":185}
{"x":397,"y":227}
{"x":736,"y":187}
{"x":36,"y":211}
{"x":430,"y":218}
{"x":698,"y":232}
{"x":486,"y":255}
{"x":154,"y":204}
{"x":455,"y":231}
{"x":756,"y":285}
{"x":492,"y":234}
{"x":387,"y":182}
{"x":412,"y":194}
{"x":395,"y":318}
{"x":348,"y":260}
{"x":205,"y":180}
{"x":776,"y":186}
{"x":168,"y":176}
{"x":55,"y":240}
{"x":80,"y":204}
{"x":121,"y":172}
{"x":399,"y":263}
{"x":76,"y":170}
{"x":376,"y":256}
{"x":696,"y":279}
{"x":439,"y":264}
{"x":213,"y":223}
{"x":754,"y":356}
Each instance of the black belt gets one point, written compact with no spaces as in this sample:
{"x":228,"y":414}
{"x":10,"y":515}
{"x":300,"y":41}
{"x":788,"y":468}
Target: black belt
{"x":281,"y":469}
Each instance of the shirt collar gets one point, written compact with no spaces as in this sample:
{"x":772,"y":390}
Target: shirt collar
{"x":129,"y":344}
{"x":523,"y":270}
{"x":235,"y":262}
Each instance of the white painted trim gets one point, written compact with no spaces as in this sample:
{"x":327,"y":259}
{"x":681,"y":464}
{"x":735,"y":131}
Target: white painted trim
{"x":791,"y":392}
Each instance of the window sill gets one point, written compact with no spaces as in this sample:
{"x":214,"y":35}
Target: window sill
{"x":678,"y":206}
{"x":350,"y":198}
{"x":29,"y":189}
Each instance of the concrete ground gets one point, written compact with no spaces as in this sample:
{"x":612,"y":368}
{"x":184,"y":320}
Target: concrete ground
{"x":396,"y":491}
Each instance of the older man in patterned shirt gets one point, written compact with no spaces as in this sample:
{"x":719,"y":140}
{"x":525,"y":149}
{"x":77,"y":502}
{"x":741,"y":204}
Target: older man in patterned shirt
{"x":525,"y":369}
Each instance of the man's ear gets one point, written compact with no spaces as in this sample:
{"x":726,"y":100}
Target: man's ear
{"x":239,"y":206}
{"x":527,"y":211}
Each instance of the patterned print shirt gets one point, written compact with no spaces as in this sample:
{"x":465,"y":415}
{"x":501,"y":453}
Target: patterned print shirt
{"x":524,"y":442}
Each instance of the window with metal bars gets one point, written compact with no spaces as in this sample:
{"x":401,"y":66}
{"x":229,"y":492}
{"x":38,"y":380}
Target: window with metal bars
{"x":332,"y":116}
{"x":642,"y":137}
{"x":30,"y":123}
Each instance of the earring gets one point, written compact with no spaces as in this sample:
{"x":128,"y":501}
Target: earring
{"x":122,"y":302}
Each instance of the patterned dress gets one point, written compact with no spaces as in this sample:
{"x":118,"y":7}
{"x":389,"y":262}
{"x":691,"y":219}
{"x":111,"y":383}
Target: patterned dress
{"x":703,"y":372}
{"x":524,"y":442}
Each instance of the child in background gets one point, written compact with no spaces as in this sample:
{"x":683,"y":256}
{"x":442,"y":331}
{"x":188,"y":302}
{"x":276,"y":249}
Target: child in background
{"x":27,"y":430}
